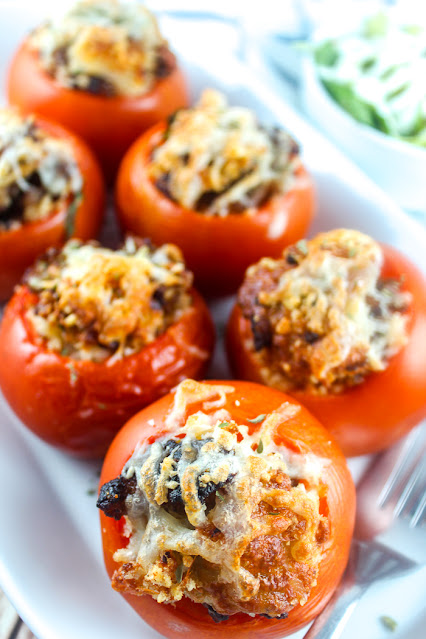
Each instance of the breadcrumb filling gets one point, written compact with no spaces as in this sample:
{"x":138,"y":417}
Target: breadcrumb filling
{"x":104,"y":47}
{"x":227,"y":519}
{"x":322,"y":318}
{"x":38,"y":173}
{"x":217,"y":159}
{"x":94,"y":303}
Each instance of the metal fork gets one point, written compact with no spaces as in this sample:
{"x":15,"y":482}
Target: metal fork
{"x":394,"y":485}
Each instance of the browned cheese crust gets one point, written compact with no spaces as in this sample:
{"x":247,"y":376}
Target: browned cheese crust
{"x":321,"y":317}
{"x":104,"y":47}
{"x":94,"y":303}
{"x":218,"y":159}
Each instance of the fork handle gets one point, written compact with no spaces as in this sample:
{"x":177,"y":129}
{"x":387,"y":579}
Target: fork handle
{"x":332,"y":621}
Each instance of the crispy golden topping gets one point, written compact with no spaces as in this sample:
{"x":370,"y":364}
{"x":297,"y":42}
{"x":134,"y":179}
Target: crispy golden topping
{"x":104,"y":47}
{"x":94,"y":303}
{"x":38,"y":173}
{"x":321,"y":316}
{"x":217,"y":517}
{"x":218,"y":159}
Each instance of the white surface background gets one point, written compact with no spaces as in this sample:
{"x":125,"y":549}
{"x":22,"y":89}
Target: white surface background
{"x":50,"y":553}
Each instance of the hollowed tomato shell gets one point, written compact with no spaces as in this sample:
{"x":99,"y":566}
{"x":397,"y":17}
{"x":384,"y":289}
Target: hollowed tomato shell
{"x":302,"y":434}
{"x":79,"y":405}
{"x":217,"y":249}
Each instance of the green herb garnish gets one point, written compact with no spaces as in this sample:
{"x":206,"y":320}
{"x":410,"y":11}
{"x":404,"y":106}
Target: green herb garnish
{"x":398,"y":91}
{"x":223,"y":425}
{"x":179,"y":573}
{"x":275,"y":514}
{"x":73,"y":373}
{"x":412,"y":29}
{"x":170,"y":121}
{"x":389,"y":623}
{"x":259,"y":448}
{"x":388,"y":72}
{"x":302,"y":246}
{"x":376,"y":26}
{"x":327,"y":54}
{"x":257,"y":419}
{"x":71,"y":213}
{"x":219,"y":496}
{"x":368,"y":64}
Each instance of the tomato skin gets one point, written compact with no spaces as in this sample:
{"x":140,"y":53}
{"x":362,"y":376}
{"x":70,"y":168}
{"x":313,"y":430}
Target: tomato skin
{"x":20,"y":247}
{"x":108,"y":124}
{"x":79,"y":406}
{"x":217,"y":249}
{"x":387,"y":404}
{"x":302,"y":433}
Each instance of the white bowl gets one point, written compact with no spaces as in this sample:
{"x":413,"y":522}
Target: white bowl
{"x":398,"y":167}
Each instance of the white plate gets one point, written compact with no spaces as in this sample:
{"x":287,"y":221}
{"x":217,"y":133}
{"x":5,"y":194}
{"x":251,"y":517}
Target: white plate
{"x":51,"y":563}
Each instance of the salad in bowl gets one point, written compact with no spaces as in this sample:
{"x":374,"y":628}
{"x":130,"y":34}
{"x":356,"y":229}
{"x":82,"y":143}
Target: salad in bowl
{"x":364,"y":87}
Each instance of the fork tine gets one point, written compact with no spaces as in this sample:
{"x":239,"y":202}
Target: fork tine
{"x":396,"y":475}
{"x":400,"y":483}
{"x":412,"y":493}
{"x":419,"y":516}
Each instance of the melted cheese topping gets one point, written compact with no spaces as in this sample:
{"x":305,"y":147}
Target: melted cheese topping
{"x":105,"y":47}
{"x":94,"y":302}
{"x":38,"y":173}
{"x":331,"y":319}
{"x":219,"y":517}
{"x":218,"y":159}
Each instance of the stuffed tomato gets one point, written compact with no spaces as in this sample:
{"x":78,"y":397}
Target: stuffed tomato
{"x":51,"y":188}
{"x":227,"y":510}
{"x":340,"y":323}
{"x":226,"y":189}
{"x":93,"y":335}
{"x":103,"y":70}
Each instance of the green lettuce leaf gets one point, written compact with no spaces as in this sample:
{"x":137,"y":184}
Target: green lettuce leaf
{"x":375,"y":26}
{"x":326,"y":54}
{"x":362,"y":111}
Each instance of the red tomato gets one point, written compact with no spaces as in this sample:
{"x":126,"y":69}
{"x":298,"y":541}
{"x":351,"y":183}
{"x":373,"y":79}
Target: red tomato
{"x":301,"y":434}
{"x":217,"y":249}
{"x":108,"y":124}
{"x":80,"y":405}
{"x":386,"y":405}
{"x":20,"y":247}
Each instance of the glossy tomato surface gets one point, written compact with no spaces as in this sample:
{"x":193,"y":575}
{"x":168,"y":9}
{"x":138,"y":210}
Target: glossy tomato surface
{"x":108,"y":124}
{"x":386,"y":405}
{"x":20,"y":247}
{"x":79,"y":405}
{"x":301,"y":434}
{"x":217,"y":249}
